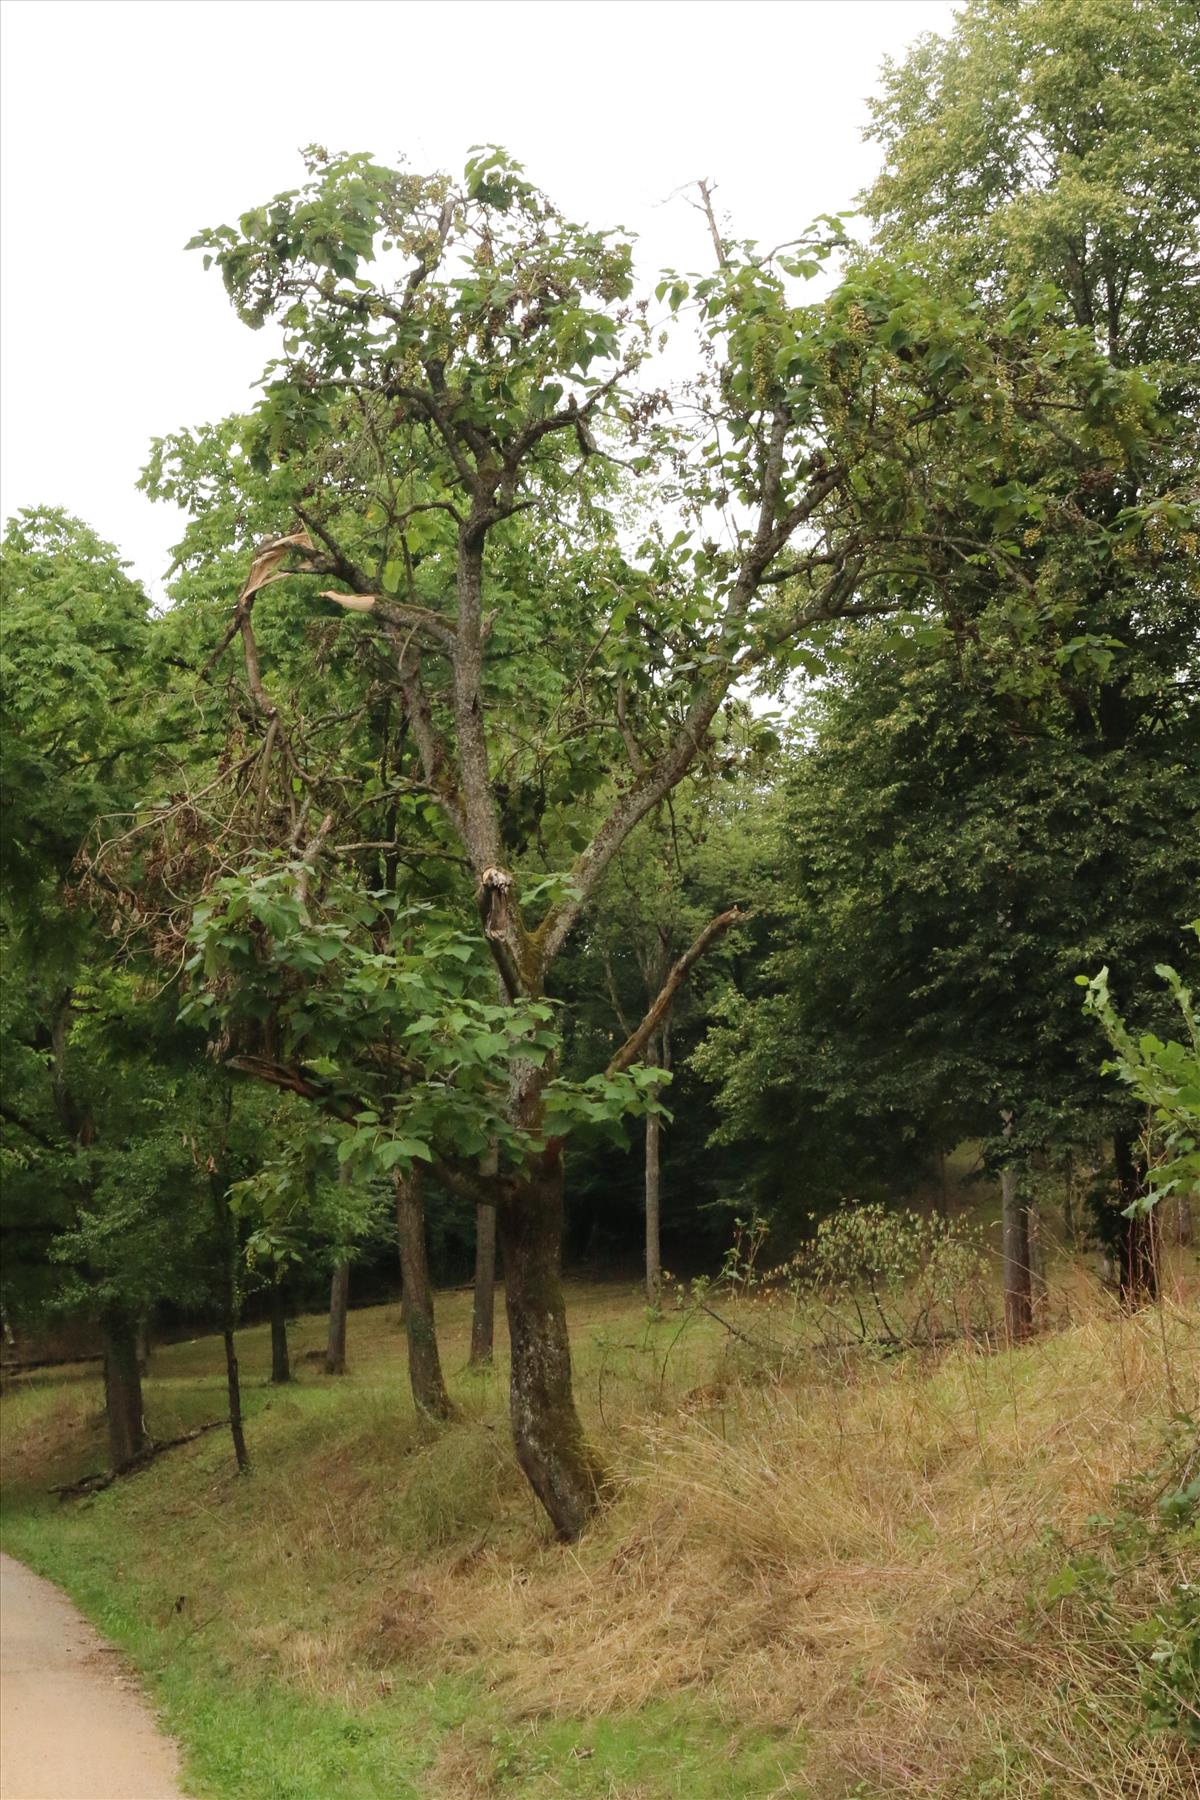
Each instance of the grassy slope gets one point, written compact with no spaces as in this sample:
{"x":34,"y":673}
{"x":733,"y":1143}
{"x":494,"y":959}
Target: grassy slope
{"x":810,"y":1585}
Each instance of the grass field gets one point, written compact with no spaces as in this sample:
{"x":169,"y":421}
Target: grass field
{"x":833,"y":1577}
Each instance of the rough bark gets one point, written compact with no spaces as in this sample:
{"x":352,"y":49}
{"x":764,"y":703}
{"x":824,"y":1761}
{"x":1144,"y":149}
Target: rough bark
{"x":424,"y":1363}
{"x":145,"y":1342}
{"x":339,"y":1301}
{"x":552,"y":1450}
{"x":281,"y":1368}
{"x":1014,"y":1221}
{"x":483,"y":1312}
{"x":127,"y":1436}
{"x":550,"y":1444}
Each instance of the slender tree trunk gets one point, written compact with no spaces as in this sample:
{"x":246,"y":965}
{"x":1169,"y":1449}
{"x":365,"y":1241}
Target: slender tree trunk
{"x":1014,"y":1225}
{"x":281,"y":1368}
{"x":1183,"y":1225}
{"x":127,"y":1437}
{"x":661,"y":1053}
{"x":1132,"y":1241}
{"x":1037,"y":1260}
{"x":339,"y":1302}
{"x":483,"y":1313}
{"x":653,"y":1211}
{"x":658,"y":1054}
{"x":227,"y":1246}
{"x":424,"y":1363}
{"x":1070,"y":1217}
{"x":234,"y":1387}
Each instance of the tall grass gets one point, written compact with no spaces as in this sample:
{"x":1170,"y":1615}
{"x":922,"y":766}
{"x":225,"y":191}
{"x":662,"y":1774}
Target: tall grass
{"x":855,"y":1559}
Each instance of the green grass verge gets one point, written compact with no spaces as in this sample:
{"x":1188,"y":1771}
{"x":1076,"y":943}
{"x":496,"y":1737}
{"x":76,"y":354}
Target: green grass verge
{"x":189,"y":1571}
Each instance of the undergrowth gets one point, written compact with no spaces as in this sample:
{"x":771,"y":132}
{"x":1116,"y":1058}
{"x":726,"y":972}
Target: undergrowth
{"x":955,"y":1572}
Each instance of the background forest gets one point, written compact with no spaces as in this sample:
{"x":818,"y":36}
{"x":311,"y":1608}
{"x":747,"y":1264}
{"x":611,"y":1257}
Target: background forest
{"x":699,"y":788}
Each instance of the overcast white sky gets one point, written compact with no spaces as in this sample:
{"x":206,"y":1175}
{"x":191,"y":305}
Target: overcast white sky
{"x":129,"y":124}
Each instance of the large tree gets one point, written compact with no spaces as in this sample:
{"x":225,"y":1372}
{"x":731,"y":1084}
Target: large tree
{"x":1060,"y":139}
{"x":948,"y":861}
{"x":1025,"y":797}
{"x":553,"y":574}
{"x":99,"y":1083}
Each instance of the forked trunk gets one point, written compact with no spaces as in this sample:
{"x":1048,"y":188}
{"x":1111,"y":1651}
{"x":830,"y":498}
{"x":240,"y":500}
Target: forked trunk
{"x":424,"y":1363}
{"x":281,"y":1369}
{"x":127,"y":1437}
{"x":1014,"y":1225}
{"x":483,"y":1314}
{"x":550,"y":1444}
{"x":339,"y":1301}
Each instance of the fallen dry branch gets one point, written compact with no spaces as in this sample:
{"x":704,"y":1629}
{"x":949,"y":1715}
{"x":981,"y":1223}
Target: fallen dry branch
{"x":96,"y":1482}
{"x":46,"y":1362}
{"x":879,"y":1341}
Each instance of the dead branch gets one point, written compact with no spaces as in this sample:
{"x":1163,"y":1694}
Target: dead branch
{"x":496,"y":909}
{"x":633,"y":1046}
{"x":102,"y":1478}
{"x":263,"y":570}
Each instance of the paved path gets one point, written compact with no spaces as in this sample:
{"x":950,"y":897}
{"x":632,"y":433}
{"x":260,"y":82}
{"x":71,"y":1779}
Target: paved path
{"x":72,"y":1724}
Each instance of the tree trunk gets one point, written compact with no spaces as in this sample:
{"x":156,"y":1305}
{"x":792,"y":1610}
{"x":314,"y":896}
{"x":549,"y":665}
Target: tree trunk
{"x":227,"y":1249}
{"x":144,"y":1343}
{"x":483,"y":1313}
{"x":653,"y":1211}
{"x":339,"y":1301}
{"x":1037,"y":1260}
{"x":424,"y":1363}
{"x":550,"y":1445}
{"x":1014,"y":1224}
{"x":281,"y":1368}
{"x":661,"y":1053}
{"x":234,"y":1386}
{"x":1131,"y":1241}
{"x":127,"y":1437}
{"x":1070,"y":1216}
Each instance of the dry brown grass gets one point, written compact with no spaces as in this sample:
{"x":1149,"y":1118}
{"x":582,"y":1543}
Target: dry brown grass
{"x":850,"y":1556}
{"x":852,"y":1550}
